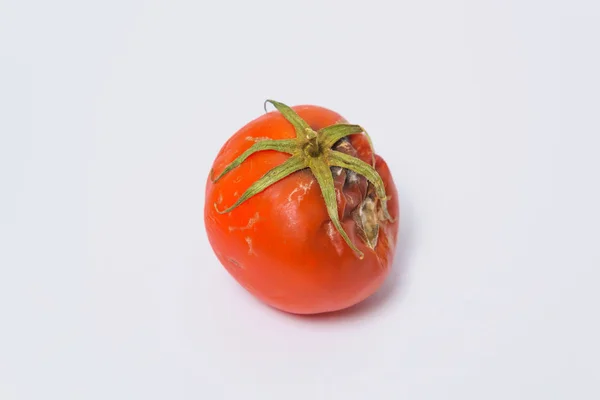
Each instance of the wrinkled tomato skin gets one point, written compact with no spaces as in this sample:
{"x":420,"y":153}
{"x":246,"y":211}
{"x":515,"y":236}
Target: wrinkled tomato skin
{"x":280,"y":244}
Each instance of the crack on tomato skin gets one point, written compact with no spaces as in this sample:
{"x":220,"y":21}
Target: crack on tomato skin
{"x":212,"y":218}
{"x":304,"y":187}
{"x":257,"y":139}
{"x":220,"y":198}
{"x":334,"y":237}
{"x":248,"y":240}
{"x":253,"y":220}
{"x":235,"y":263}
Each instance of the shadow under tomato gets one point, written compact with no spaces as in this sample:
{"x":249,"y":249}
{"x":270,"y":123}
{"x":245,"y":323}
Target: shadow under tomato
{"x":391,"y":290}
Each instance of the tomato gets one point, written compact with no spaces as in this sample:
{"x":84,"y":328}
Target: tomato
{"x":301,"y":212}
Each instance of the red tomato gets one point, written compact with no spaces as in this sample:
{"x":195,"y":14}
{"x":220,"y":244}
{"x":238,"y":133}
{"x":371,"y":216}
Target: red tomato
{"x":297,"y":208}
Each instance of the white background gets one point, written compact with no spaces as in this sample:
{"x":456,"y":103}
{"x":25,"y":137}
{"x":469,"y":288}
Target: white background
{"x":111,"y":113}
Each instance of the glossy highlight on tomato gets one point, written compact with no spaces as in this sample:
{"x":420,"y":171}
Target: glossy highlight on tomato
{"x":301,"y":211}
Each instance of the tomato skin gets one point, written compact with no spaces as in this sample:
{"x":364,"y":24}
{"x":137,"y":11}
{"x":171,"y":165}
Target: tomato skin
{"x":280,"y":244}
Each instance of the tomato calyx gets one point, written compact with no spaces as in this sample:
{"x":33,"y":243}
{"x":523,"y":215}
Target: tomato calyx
{"x":314,"y":150}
